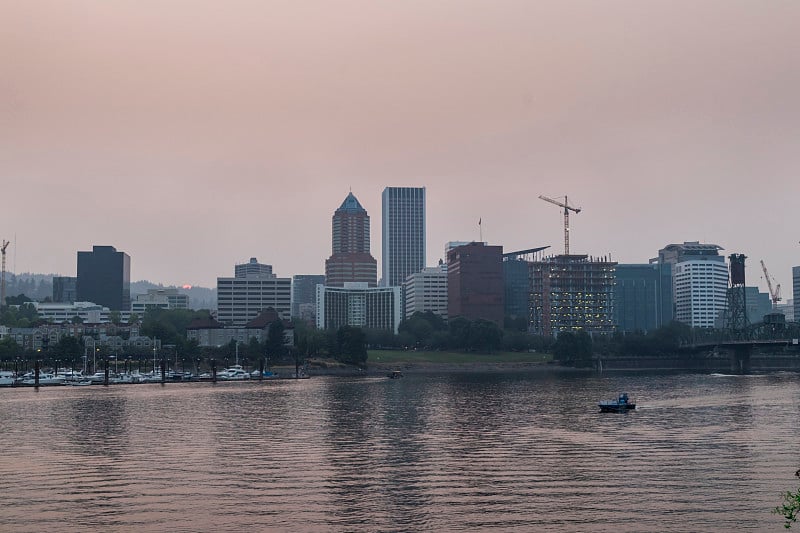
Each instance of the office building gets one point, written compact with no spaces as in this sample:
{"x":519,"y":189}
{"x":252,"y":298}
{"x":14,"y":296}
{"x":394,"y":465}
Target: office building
{"x":253,"y":269}
{"x":403,"y":231}
{"x":59,"y":313}
{"x":699,"y":282}
{"x":159,"y":299}
{"x":757,"y":304}
{"x":642,"y":297}
{"x":65,"y":289}
{"x":104,"y":278}
{"x":517,"y":282}
{"x":426,"y":290}
{"x":475,"y":288}
{"x":572,"y":293}
{"x":357,"y":304}
{"x":304,"y":295}
{"x":350,"y":261}
{"x":796,"y":292}
{"x":786,"y":308}
{"x":240,"y":299}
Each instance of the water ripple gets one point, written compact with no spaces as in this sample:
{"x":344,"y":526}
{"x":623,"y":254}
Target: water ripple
{"x":521,"y":452}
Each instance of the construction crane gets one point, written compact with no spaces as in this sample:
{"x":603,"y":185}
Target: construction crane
{"x":3,"y":275}
{"x":567,"y":209}
{"x":774,"y":293}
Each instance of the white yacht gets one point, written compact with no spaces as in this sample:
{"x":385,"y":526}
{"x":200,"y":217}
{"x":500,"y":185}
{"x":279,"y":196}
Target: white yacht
{"x":7,"y":378}
{"x":45,"y":378}
{"x":234,"y":373}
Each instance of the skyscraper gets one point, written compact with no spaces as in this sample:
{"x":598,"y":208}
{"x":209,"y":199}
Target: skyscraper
{"x":350,"y":260}
{"x":104,"y":278}
{"x":403,"y":233}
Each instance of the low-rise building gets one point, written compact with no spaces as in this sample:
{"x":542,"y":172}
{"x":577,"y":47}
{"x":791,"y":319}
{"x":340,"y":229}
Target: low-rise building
{"x":159,"y":299}
{"x":359,"y":305}
{"x":209,"y":332}
{"x":426,"y":291}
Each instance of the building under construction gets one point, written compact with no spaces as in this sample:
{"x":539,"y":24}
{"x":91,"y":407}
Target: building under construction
{"x":570,"y":293}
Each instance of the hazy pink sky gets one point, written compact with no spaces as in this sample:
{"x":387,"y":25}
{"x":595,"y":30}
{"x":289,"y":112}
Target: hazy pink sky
{"x":195,"y":134}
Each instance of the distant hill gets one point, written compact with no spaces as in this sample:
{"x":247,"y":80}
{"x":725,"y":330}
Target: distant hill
{"x":40,"y":286}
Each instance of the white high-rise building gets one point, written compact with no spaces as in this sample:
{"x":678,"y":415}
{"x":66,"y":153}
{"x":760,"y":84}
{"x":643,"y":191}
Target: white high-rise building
{"x":426,"y":290}
{"x":701,"y":288}
{"x":403,"y":231}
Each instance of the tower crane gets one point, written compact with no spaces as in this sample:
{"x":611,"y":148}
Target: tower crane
{"x":774,"y":293}
{"x":3,"y":274}
{"x":567,"y":209}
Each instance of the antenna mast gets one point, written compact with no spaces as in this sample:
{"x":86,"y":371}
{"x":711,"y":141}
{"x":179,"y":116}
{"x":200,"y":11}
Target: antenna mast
{"x":3,"y":275}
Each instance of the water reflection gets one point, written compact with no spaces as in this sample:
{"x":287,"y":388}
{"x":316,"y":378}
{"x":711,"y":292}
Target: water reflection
{"x":510,"y":452}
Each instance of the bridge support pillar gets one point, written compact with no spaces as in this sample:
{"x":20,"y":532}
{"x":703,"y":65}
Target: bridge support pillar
{"x":740,"y":358}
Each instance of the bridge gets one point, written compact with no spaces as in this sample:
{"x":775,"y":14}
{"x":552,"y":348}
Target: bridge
{"x":740,"y":350}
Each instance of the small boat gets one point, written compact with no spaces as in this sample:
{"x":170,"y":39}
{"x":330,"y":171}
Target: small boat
{"x":395,"y":374}
{"x":234,"y":373}
{"x":620,"y":405}
{"x":7,"y":378}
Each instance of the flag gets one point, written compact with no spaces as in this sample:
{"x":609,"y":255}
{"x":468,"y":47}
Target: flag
{"x":479,"y":221}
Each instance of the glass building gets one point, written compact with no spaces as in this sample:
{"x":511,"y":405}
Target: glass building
{"x":104,"y":278}
{"x":642,"y":297}
{"x":403,"y":228}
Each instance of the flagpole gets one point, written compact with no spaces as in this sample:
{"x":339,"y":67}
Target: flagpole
{"x":480,"y":229}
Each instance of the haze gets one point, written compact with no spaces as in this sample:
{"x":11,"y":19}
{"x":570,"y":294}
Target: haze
{"x":195,"y":134}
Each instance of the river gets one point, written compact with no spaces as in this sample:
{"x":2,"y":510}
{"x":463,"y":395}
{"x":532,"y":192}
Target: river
{"x":524,"y":451}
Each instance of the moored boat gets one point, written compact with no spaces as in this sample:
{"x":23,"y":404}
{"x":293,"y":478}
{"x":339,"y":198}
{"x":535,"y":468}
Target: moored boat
{"x":7,"y":378}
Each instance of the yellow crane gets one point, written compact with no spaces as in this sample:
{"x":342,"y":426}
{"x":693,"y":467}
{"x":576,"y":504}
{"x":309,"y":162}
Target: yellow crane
{"x":774,"y":293}
{"x":3,"y":274}
{"x":567,"y":209}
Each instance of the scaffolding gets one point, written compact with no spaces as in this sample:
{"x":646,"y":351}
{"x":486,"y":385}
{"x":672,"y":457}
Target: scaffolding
{"x":571,"y":293}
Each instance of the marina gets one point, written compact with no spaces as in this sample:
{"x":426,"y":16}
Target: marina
{"x":69,"y":377}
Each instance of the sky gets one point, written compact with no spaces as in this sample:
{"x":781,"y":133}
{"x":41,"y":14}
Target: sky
{"x":195,"y":134}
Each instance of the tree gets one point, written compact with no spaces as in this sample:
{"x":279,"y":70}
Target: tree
{"x":573,"y":348}
{"x":351,"y":345}
{"x":459,"y":332}
{"x":9,"y":349}
{"x":275,"y":347}
{"x":791,"y":506}
{"x":17,"y":300}
{"x":484,"y":335}
{"x":115,"y":318}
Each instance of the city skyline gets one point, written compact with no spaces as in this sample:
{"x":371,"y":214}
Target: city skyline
{"x":208,"y":143}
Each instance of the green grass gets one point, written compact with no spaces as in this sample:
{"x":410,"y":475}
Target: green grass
{"x":401,"y":356}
